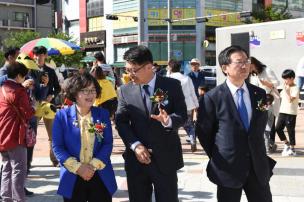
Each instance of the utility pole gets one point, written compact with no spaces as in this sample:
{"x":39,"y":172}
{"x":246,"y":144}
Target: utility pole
{"x":169,"y":29}
{"x":141,"y":22}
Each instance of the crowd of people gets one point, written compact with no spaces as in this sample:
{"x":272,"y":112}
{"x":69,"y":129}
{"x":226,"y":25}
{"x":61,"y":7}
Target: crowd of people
{"x":235,"y":122}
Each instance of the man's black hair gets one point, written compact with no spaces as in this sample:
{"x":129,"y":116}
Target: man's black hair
{"x":11,"y":52}
{"x":39,"y":50}
{"x":138,"y":55}
{"x":99,"y":57}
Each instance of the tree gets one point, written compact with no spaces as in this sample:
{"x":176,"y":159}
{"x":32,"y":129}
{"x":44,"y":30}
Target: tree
{"x":270,"y":13}
{"x":1,"y":58}
{"x":18,"y":39}
{"x":67,"y":60}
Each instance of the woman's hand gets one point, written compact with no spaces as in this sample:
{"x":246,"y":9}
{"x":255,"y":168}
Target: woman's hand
{"x":86,"y":171}
{"x":266,"y":83}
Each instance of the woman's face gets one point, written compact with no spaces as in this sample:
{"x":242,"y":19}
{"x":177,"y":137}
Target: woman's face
{"x":86,"y":97}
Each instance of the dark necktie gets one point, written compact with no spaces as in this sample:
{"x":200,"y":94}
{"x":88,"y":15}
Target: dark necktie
{"x":242,"y":108}
{"x":146,"y":97}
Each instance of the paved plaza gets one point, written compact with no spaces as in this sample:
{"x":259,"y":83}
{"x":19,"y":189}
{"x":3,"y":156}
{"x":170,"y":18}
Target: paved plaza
{"x":286,"y":184}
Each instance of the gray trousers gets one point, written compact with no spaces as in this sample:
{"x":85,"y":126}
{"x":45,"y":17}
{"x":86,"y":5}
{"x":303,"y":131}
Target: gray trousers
{"x":13,"y":174}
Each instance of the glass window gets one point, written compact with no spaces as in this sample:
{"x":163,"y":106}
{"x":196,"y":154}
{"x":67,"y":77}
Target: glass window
{"x":94,"y":8}
{"x":233,"y":5}
{"x":95,"y":24}
{"x":20,"y":16}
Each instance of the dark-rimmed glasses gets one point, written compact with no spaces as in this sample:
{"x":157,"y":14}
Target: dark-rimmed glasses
{"x":88,"y":91}
{"x":134,"y":71}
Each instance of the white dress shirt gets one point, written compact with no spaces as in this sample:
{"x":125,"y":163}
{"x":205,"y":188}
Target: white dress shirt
{"x":246,"y":97}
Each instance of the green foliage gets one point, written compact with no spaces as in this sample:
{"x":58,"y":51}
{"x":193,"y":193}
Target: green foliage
{"x":68,"y":60}
{"x":1,"y":58}
{"x":18,"y":39}
{"x":271,"y":14}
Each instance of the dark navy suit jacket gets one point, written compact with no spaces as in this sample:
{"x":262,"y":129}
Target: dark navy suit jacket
{"x":232,"y":150}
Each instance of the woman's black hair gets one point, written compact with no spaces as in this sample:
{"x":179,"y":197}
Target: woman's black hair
{"x":79,"y":82}
{"x":99,"y":75}
{"x":258,"y":65}
{"x":15,"y":69}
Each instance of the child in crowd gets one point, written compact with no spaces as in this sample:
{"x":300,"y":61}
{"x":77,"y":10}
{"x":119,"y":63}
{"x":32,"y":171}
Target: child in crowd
{"x":269,"y":107}
{"x":288,"y":112}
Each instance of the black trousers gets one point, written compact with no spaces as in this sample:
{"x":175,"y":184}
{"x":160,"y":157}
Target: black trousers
{"x":142,"y":181}
{"x":255,"y":192}
{"x":90,"y":191}
{"x":272,"y":132}
{"x":288,"y":121}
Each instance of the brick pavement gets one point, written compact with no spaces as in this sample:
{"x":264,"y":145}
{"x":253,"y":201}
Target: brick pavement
{"x":193,"y":185}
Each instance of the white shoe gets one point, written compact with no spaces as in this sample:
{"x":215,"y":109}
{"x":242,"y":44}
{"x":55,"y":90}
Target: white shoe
{"x":291,"y":152}
{"x":286,"y":150}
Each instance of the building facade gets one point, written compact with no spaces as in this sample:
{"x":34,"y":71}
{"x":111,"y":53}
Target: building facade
{"x":17,"y":15}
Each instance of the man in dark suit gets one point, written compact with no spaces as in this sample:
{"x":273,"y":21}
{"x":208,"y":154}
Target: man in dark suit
{"x":149,"y":131}
{"x":230,"y":126}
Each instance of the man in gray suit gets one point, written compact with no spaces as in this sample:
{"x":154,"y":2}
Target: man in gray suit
{"x":149,"y":129}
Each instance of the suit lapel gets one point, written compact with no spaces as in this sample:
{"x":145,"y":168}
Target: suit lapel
{"x":154,"y":109}
{"x":232,"y":105}
{"x":138,"y":99}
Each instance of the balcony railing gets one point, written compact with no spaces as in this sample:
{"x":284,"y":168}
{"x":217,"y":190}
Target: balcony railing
{"x":9,"y":24}
{"x":27,"y":3}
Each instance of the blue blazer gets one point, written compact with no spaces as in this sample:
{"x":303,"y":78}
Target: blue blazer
{"x":67,"y":143}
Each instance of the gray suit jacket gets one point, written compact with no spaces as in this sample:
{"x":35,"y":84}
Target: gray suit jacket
{"x":134,"y":124}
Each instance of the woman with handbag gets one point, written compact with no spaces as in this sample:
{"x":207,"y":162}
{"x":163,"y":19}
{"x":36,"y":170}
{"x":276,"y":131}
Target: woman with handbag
{"x":83,"y":142}
{"x":15,"y":112}
{"x":263,"y":77}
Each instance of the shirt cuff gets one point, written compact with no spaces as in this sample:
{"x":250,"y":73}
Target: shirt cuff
{"x":134,"y":145}
{"x":72,"y":164}
{"x":98,"y":164}
{"x":169,"y":125}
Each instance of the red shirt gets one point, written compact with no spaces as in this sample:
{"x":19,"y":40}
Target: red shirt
{"x":12,"y":131}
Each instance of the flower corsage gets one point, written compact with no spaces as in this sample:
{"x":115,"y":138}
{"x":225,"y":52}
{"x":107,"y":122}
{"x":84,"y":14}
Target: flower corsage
{"x":262,"y":106}
{"x":160,"y":97}
{"x":98,"y":129}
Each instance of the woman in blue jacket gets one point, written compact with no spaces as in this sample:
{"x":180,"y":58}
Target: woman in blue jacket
{"x":82,"y":142}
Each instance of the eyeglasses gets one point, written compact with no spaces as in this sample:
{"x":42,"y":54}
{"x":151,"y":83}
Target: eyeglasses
{"x":241,"y":63}
{"x":134,"y":71}
{"x":88,"y":91}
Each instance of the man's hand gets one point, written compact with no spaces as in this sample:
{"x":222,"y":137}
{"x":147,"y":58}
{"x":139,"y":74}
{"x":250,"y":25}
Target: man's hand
{"x":45,"y":79}
{"x":29,"y":83}
{"x":161,"y":117}
{"x":86,"y":171}
{"x":142,"y":154}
